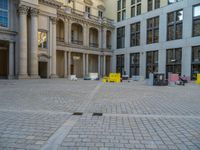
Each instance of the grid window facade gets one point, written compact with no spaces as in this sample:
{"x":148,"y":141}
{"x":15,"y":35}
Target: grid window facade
{"x":135,"y":34}
{"x":121,"y":10}
{"x":195,"y":62}
{"x":4,"y":13}
{"x":120,"y":64}
{"x":174,"y":58}
{"x":196,"y":20}
{"x":135,"y":7}
{"x":174,"y":25}
{"x":152,"y":62}
{"x":153,"y":30}
{"x":121,"y":37}
{"x":134,"y":64}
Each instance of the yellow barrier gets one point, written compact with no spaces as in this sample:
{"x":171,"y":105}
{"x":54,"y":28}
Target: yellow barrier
{"x":198,"y":79}
{"x":105,"y":79}
{"x":114,"y":77}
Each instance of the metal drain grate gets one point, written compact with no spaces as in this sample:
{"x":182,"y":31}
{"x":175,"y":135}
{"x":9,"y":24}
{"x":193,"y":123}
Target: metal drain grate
{"x":78,"y":113}
{"x":97,"y":114}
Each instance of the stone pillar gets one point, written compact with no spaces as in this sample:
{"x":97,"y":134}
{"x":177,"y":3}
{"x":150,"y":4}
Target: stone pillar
{"x":69,"y":64}
{"x":34,"y":44}
{"x":65,"y":64}
{"x":66,"y":31}
{"x":22,"y":73}
{"x":104,"y":65}
{"x":83,"y":65}
{"x":99,"y":65}
{"x":69,"y":32}
{"x":53,"y":71}
{"x":100,"y":38}
{"x":104,"y":38}
{"x":11,"y":60}
{"x":85,"y":35}
{"x":87,"y":64}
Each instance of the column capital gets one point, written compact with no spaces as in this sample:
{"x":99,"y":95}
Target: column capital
{"x":53,"y":19}
{"x":23,"y":10}
{"x":34,"y":11}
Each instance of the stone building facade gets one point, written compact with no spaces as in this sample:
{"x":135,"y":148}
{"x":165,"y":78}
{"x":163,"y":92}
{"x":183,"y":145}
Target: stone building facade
{"x":49,"y":38}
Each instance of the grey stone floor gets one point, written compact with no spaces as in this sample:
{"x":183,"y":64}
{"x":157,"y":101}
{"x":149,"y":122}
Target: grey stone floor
{"x":37,"y":114}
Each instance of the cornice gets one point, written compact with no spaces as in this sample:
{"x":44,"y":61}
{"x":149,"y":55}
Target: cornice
{"x":88,"y":2}
{"x":6,"y":31}
{"x":51,"y":3}
{"x":101,"y":7}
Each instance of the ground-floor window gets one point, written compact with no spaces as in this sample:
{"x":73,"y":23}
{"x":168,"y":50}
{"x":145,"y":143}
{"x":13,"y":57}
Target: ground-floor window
{"x":120,"y":64}
{"x":134,"y":64}
{"x":174,"y":58}
{"x":195,"y":62}
{"x":152,"y":62}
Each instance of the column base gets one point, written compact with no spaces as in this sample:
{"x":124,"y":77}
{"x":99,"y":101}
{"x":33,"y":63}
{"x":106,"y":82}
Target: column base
{"x":23,"y":76}
{"x":34,"y":76}
{"x":11,"y":77}
{"x":53,"y":76}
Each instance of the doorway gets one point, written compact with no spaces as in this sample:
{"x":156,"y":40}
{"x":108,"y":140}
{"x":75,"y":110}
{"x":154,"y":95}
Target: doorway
{"x":3,"y":64}
{"x":43,"y":70}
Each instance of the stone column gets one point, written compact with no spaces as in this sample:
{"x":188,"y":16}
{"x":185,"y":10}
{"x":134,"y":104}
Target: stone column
{"x":65,"y":64}
{"x":104,"y":38}
{"x":99,"y":65}
{"x":69,"y":64}
{"x":104,"y":65}
{"x":69,"y":31}
{"x":83,"y":65}
{"x":11,"y":60}
{"x":66,"y":31}
{"x":34,"y":44}
{"x":85,"y":35}
{"x":53,"y":71}
{"x":100,"y":38}
{"x":22,"y":73}
{"x":87,"y":64}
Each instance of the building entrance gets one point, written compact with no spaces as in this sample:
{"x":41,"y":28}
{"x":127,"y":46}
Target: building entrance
{"x":3,"y":63}
{"x":43,"y":69}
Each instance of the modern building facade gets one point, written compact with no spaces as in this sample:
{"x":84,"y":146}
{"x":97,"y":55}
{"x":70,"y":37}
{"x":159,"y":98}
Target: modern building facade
{"x":58,"y":38}
{"x":156,"y":36}
{"x":49,"y":38}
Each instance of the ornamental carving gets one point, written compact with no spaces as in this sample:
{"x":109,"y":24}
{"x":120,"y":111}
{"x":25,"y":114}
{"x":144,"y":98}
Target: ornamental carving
{"x":89,"y":2}
{"x":53,"y":19}
{"x":101,"y":7}
{"x":23,"y":9}
{"x":34,"y":12}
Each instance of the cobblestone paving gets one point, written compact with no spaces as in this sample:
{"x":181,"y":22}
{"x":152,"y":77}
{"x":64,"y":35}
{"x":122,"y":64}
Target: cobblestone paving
{"x":37,"y":114}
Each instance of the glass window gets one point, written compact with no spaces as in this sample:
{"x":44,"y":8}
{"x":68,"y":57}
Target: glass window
{"x":174,"y":25}
{"x":195,"y":61}
{"x":150,"y":5}
{"x":174,"y":58}
{"x":42,"y":39}
{"x":121,"y":37}
{"x":157,"y":4}
{"x":138,"y":9}
{"x":173,"y":1}
{"x":133,"y":11}
{"x":135,"y":34}
{"x":100,"y":14}
{"x":153,"y":30}
{"x":135,"y":8}
{"x":118,"y":4}
{"x":118,"y":16}
{"x":152,"y":62}
{"x":4,"y":13}
{"x":196,"y":20}
{"x":123,"y":14}
{"x":123,"y":4}
{"x":134,"y":64}
{"x":120,"y":64}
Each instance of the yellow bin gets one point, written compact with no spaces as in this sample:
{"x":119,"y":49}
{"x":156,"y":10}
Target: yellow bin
{"x":105,"y":79}
{"x":115,"y":77}
{"x":198,"y":79}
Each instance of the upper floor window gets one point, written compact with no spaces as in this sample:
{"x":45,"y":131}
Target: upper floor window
{"x":135,"y":34}
{"x":173,"y":1}
{"x":42,"y":39}
{"x":100,"y":14}
{"x":196,"y":20}
{"x":157,"y":4}
{"x":150,"y":5}
{"x":121,"y":10}
{"x":88,"y":10}
{"x":121,"y":37}
{"x":135,"y":7}
{"x":153,"y":4}
{"x":174,"y":25}
{"x":153,"y":30}
{"x":4,"y":13}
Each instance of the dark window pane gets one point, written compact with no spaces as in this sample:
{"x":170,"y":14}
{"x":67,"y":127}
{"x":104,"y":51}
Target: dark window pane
{"x":179,"y":31}
{"x":138,"y":9}
{"x":118,"y":4}
{"x":157,"y":4}
{"x":170,"y":17}
{"x":150,"y":5}
{"x":170,"y":32}
{"x":133,"y":11}
{"x":196,"y":27}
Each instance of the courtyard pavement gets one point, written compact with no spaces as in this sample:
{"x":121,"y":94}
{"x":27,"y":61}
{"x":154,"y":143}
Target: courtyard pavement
{"x":38,"y":114}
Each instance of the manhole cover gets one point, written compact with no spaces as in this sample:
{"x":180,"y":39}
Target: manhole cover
{"x":78,"y":113}
{"x":97,"y":114}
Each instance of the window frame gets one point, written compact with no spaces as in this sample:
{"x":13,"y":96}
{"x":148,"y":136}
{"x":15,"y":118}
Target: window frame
{"x":195,"y":19}
{"x":135,"y":65}
{"x":135,"y":6}
{"x":47,"y":46}
{"x":154,"y":62}
{"x":153,"y":29}
{"x":121,"y":36}
{"x":134,"y":34}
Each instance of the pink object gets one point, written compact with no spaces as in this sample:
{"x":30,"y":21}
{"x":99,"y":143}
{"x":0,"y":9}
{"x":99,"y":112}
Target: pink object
{"x":173,"y":77}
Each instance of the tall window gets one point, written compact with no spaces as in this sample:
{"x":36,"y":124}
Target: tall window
{"x":174,"y":58}
{"x":42,"y":39}
{"x":121,"y":10}
{"x":135,"y":34}
{"x":100,"y":14}
{"x":152,"y":62}
{"x":153,"y":30}
{"x":134,"y":64}
{"x":135,"y":7}
{"x":153,"y":4}
{"x":174,"y":25}
{"x":121,"y":37}
{"x":120,"y":64}
{"x":195,"y":61}
{"x":157,"y":4}
{"x":4,"y":13}
{"x":196,"y":20}
{"x":150,"y":5}
{"x":88,"y":10}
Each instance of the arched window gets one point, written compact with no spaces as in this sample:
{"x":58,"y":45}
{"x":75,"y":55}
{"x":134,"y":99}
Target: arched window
{"x":3,"y":13}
